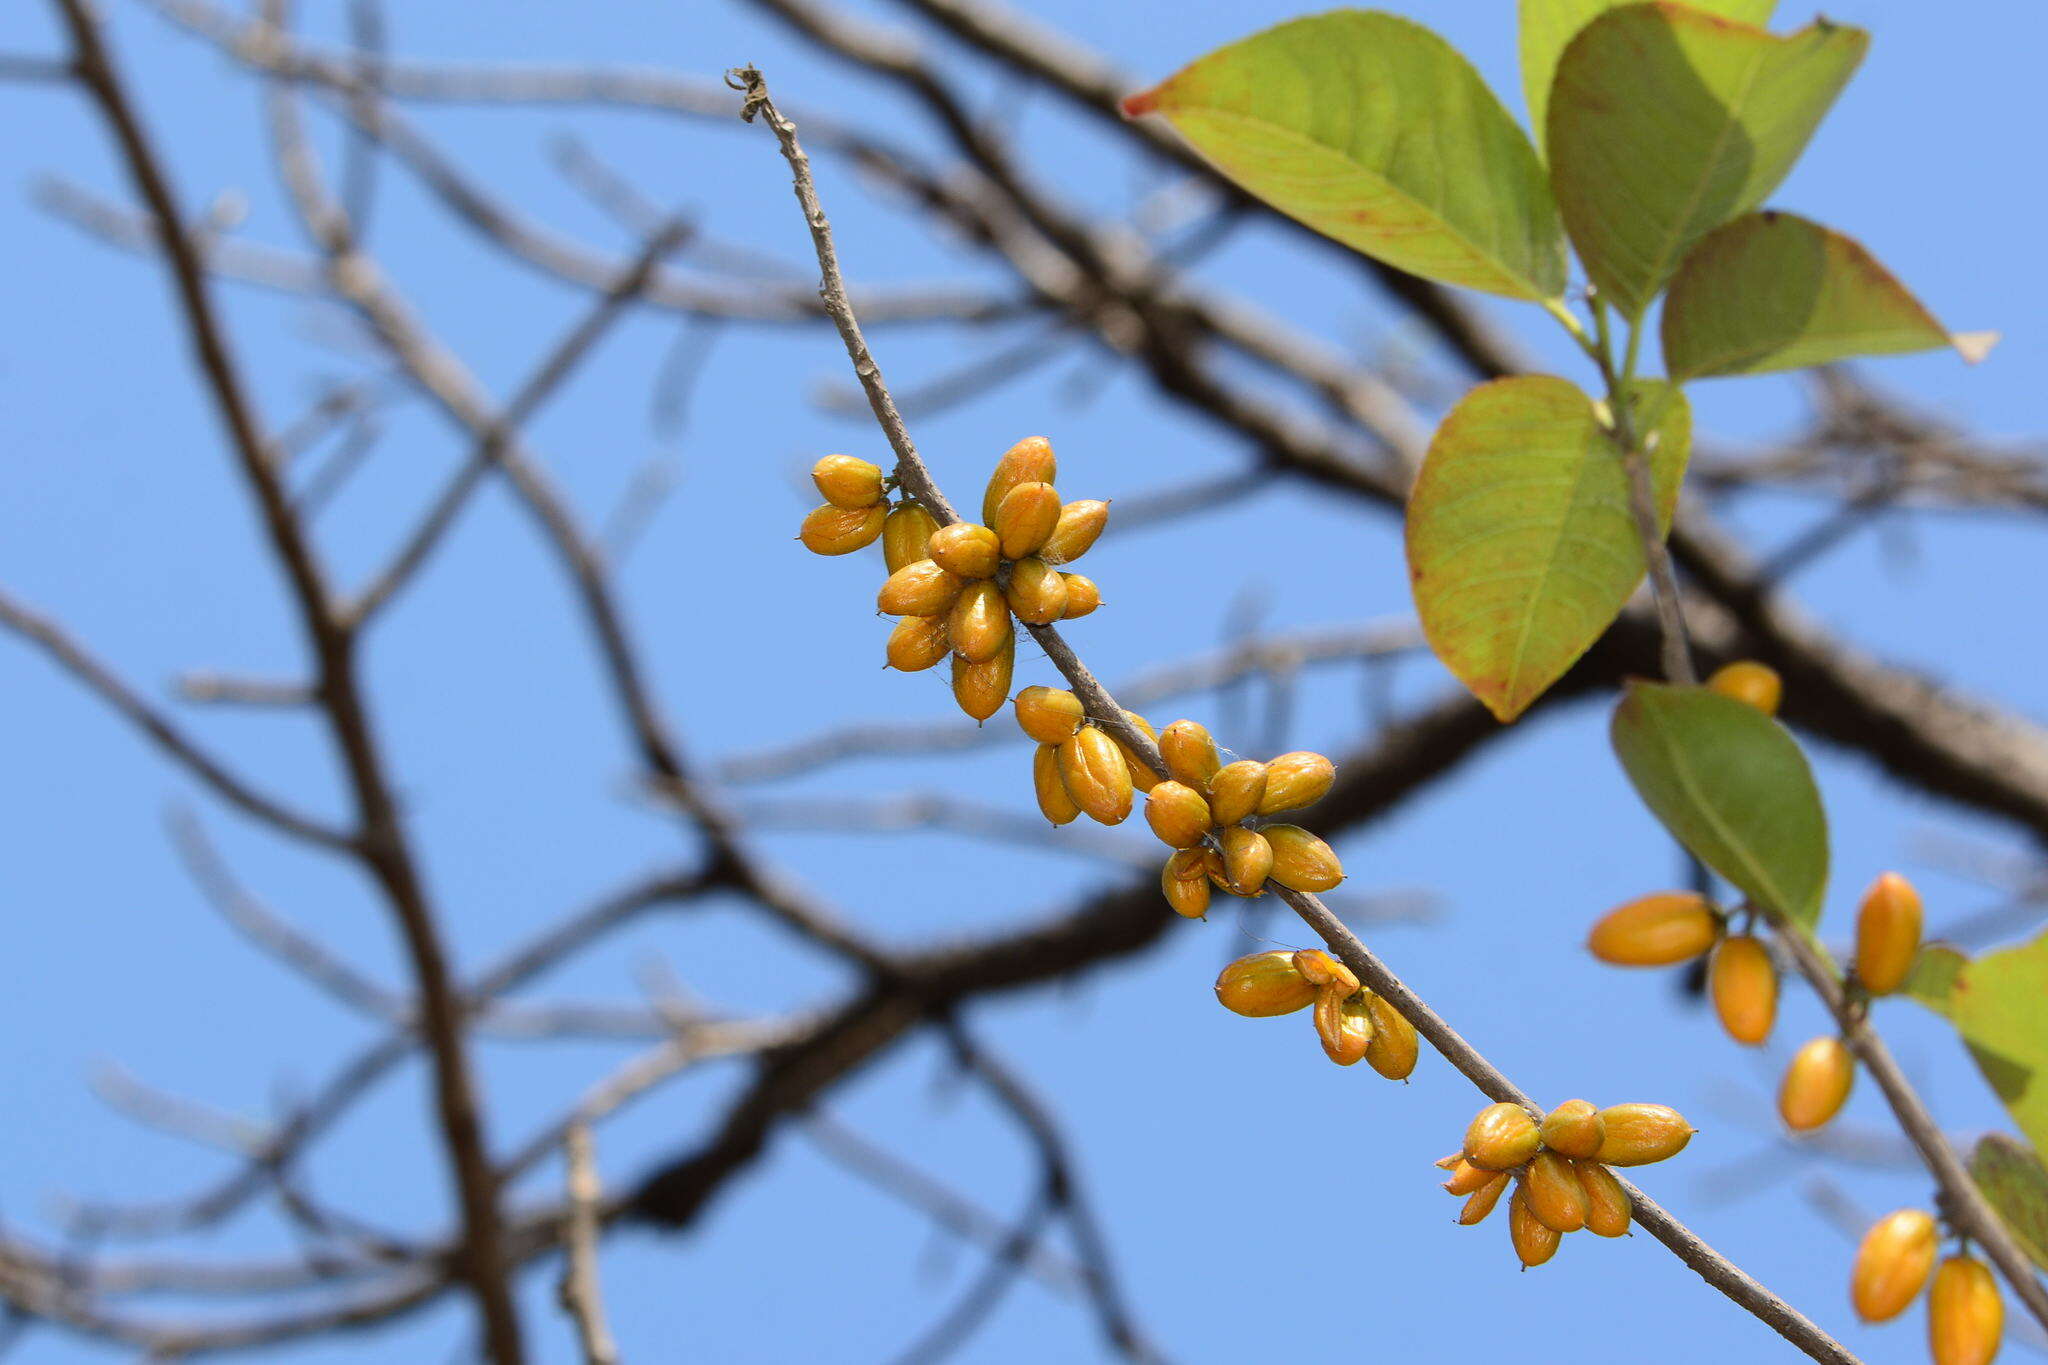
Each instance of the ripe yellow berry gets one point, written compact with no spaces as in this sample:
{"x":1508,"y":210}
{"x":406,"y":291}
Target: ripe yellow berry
{"x":1037,"y":592}
{"x":1082,"y":596}
{"x":1534,"y":1240}
{"x":1574,"y":1129}
{"x":1302,"y":862}
{"x":1247,"y":860}
{"x":982,"y":688}
{"x":1640,"y":1134}
{"x":830,"y":530}
{"x":1744,"y":987}
{"x":1142,"y":776}
{"x":1025,"y":518}
{"x":1465,"y":1177}
{"x":1655,"y":930}
{"x":1236,"y":789}
{"x":1190,"y":754}
{"x":907,"y":535}
{"x":1816,"y":1084}
{"x":966,"y":549}
{"x":1177,"y":814}
{"x":1324,"y":972}
{"x":1096,"y":776}
{"x":847,"y":482}
{"x":1296,"y":780}
{"x":1555,"y":1195}
{"x":980,"y":623}
{"x":1078,"y":525}
{"x":1892,"y":1264}
{"x":1887,"y":933}
{"x":1607,"y":1207}
{"x":1395,"y":1045}
{"x":1501,"y":1137}
{"x":1263,"y":985}
{"x":1343,"y":1026}
{"x":1049,"y":715}
{"x":1749,"y":682}
{"x":918,"y":642}
{"x":1053,"y":801}
{"x":1028,"y":461}
{"x":920,"y":589}
{"x":1185,"y":883}
{"x":1482,"y":1201}
{"x":1965,"y":1314}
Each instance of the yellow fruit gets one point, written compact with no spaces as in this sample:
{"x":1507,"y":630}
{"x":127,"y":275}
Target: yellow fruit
{"x":1247,"y":860}
{"x":1078,"y":525}
{"x":1028,"y":461}
{"x":1185,"y":884}
{"x":1082,"y":596}
{"x":1321,"y":970}
{"x":1053,"y":801}
{"x":1142,"y":776}
{"x":1264,"y":985}
{"x":830,"y":530}
{"x":1177,"y":814}
{"x":1482,"y":1201}
{"x":1049,"y":715}
{"x":1037,"y":593}
{"x":966,"y":549}
{"x":920,"y":589}
{"x":1535,"y":1241}
{"x":1190,"y":754}
{"x":1343,"y":1026}
{"x":918,"y":642}
{"x":1395,"y":1046}
{"x":1892,"y":1264}
{"x":1501,"y":1137}
{"x":1640,"y":1134}
{"x":1607,"y":1206}
{"x":1816,"y":1084}
{"x":1026,"y":517}
{"x":1465,"y":1177}
{"x":1750,"y":682}
{"x":1302,"y":862}
{"x":1574,"y":1129}
{"x":907,"y":535}
{"x":1096,"y":776}
{"x":1235,"y":790}
{"x":1744,"y":987}
{"x":1296,"y":780}
{"x":982,"y":688}
{"x":1655,"y":930}
{"x":1965,"y":1315}
{"x":1555,"y":1195}
{"x":1887,"y":933}
{"x":980,"y":623}
{"x":847,"y":482}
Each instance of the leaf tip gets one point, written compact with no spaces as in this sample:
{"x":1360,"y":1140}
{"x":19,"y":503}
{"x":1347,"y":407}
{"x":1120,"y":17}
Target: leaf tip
{"x":1973,"y":347}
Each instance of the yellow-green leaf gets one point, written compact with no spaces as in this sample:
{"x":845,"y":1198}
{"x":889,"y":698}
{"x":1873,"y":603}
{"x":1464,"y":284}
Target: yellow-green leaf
{"x":1665,"y":122}
{"x":1999,"y":1004}
{"x":1772,"y":291}
{"x":2015,"y":1182}
{"x":1732,"y":786}
{"x":1521,"y":544}
{"x":1373,"y":130}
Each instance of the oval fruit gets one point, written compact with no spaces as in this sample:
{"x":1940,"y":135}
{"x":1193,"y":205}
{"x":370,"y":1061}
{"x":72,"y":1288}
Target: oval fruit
{"x":1028,"y":461}
{"x":1190,"y":754}
{"x":920,"y":589}
{"x":1082,"y":596}
{"x":1607,"y":1205}
{"x":1025,"y":519}
{"x":1501,"y":1137}
{"x":1639,"y":1134}
{"x":907,"y":535}
{"x":847,"y":482}
{"x":1177,"y":814}
{"x":1892,"y":1264}
{"x":1264,"y":985}
{"x":1036,"y":592}
{"x":1482,"y":1201}
{"x":918,"y":642}
{"x":1235,"y":791}
{"x":1075,"y":531}
{"x":982,"y":688}
{"x":1465,"y":1177}
{"x":966,"y":549}
{"x":1655,"y":930}
{"x":1247,"y":860}
{"x":1751,"y":683}
{"x":1093,"y":768}
{"x":1816,"y":1084}
{"x":1343,"y":1026}
{"x":1296,"y":780}
{"x":1395,"y":1044}
{"x":1535,"y":1242}
{"x":1053,"y":801}
{"x":980,"y":623}
{"x":1965,"y":1315}
{"x":830,"y":530}
{"x":1142,"y":776}
{"x":1744,"y":986}
{"x":1574,"y":1129}
{"x":1302,"y":862}
{"x":1185,"y":884}
{"x":1049,"y":715}
{"x":1887,"y":933}
{"x":1555,"y":1195}
{"x":1324,"y":972}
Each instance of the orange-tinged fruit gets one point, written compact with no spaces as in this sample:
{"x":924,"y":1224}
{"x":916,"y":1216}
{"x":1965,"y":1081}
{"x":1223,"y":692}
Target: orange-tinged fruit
{"x":1887,"y":933}
{"x":1744,"y":986}
{"x":1082,"y":595}
{"x":1892,"y":1264}
{"x":1185,"y":883}
{"x":918,"y":642}
{"x":1212,"y":863}
{"x":1965,"y":1314}
{"x":847,"y":482}
{"x":1302,"y":862}
{"x":980,"y":623}
{"x":1449,"y":1163}
{"x":982,"y":688}
{"x":1655,"y":930}
{"x":1816,"y":1084}
{"x":1465,"y":1177}
{"x":1028,"y":461}
{"x":1607,"y":1206}
{"x":1247,"y":860}
{"x":1026,"y":518}
{"x":920,"y":589}
{"x":1296,"y":780}
{"x":1395,"y":1045}
{"x":1263,"y":985}
{"x":1037,"y":592}
{"x":1750,"y":682}
{"x":907,"y":535}
{"x":1142,"y":776}
{"x":830,"y":530}
{"x":1096,"y":776}
{"x":1555,"y":1195}
{"x":1053,"y":801}
{"x":1640,"y":1134}
{"x":1049,"y":715}
{"x":1235,"y":790}
{"x":966,"y":549}
{"x":1190,"y":754}
{"x":1343,"y":1026}
{"x":1534,"y":1240}
{"x":1075,"y":531}
{"x":1177,"y":814}
{"x":1501,"y":1137}
{"x":1482,"y":1201}
{"x":1323,"y":971}
{"x":1574,"y":1129}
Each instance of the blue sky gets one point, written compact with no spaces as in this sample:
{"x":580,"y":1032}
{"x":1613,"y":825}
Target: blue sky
{"x":1205,"y":1136}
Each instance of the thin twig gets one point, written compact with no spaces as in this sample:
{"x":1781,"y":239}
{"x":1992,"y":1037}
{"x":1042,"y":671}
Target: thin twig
{"x":580,"y":1291}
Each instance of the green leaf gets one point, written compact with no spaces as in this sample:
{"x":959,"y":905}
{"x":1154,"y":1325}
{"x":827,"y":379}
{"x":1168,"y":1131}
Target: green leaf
{"x":1373,"y":130}
{"x":1549,"y":25}
{"x":1732,"y":786}
{"x":2016,"y":1183}
{"x":1771,"y":291}
{"x":1933,"y":976}
{"x":1665,"y":122}
{"x":1521,"y":544}
{"x":1999,"y":1004}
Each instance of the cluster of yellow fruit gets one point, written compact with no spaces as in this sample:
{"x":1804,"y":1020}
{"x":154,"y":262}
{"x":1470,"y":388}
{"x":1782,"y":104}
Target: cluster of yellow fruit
{"x":1965,"y":1314}
{"x":1559,"y":1167}
{"x":957,"y":586}
{"x":1670,"y":927}
{"x":1353,"y":1023}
